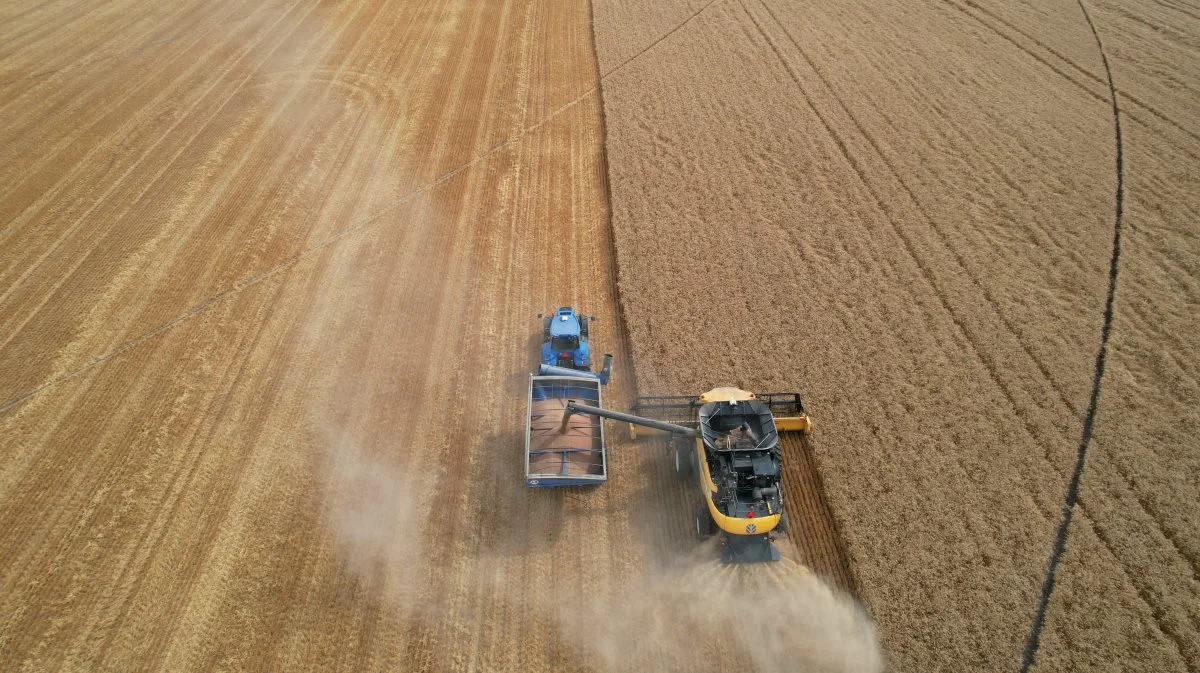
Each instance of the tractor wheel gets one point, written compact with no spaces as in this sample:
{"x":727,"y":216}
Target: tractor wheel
{"x":583,"y":326}
{"x":704,"y":523}
{"x":546,"y":327}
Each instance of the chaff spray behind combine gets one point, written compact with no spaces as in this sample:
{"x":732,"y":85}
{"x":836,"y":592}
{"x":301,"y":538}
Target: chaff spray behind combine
{"x":733,"y":456}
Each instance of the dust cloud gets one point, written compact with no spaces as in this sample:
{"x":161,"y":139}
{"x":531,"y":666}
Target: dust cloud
{"x":698,"y":615}
{"x":371,"y":507}
{"x":707,"y":616}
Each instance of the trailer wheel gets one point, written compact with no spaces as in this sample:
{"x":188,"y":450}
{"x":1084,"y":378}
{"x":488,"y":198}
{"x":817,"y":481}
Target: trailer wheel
{"x":704,"y":523}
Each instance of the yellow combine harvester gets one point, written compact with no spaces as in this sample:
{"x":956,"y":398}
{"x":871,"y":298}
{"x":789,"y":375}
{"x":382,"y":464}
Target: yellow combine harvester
{"x":734,"y":458}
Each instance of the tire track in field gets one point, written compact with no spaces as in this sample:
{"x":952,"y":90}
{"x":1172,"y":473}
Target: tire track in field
{"x":980,"y":352}
{"x":1147,"y":511}
{"x":164,"y":525}
{"x":1029,"y":428}
{"x":910,"y":249}
{"x":655,"y":43}
{"x":1075,"y":80}
{"x":929,"y":220}
{"x":1045,"y":372}
{"x":8,"y":292}
{"x":14,"y":41}
{"x":922,"y":266}
{"x":1071,"y":497}
{"x":290,"y":261}
{"x":953,"y":133}
{"x":150,"y":36}
{"x":1182,"y":8}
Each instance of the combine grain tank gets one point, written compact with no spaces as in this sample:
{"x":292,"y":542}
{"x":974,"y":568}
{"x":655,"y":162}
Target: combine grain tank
{"x":555,"y":456}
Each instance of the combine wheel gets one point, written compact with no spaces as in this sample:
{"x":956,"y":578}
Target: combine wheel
{"x":782,"y":526}
{"x":685,"y":459}
{"x":704,"y":523}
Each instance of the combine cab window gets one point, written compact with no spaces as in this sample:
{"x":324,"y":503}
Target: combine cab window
{"x":564,"y":343}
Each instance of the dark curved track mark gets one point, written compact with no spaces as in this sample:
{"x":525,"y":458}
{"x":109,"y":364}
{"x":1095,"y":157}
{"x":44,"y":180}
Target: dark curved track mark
{"x":1033,"y":641}
{"x":654,"y":44}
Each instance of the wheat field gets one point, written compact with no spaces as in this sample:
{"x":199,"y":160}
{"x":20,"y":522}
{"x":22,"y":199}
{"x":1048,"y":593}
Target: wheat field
{"x":269,"y":284}
{"x":907,"y":210}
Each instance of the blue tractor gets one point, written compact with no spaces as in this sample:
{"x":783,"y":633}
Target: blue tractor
{"x":565,"y":339}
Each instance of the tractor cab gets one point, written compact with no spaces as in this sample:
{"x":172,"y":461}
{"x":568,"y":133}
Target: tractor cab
{"x":565,"y":339}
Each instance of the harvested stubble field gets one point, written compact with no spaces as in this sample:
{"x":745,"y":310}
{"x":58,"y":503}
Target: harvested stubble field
{"x":268,"y":282}
{"x":907,"y":211}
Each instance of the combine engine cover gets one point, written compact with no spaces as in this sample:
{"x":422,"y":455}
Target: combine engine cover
{"x":565,"y":340}
{"x":743,"y":470}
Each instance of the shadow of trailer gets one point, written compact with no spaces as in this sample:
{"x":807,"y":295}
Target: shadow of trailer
{"x":555,"y":455}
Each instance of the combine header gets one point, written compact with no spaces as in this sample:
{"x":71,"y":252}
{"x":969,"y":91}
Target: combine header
{"x":727,"y":442}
